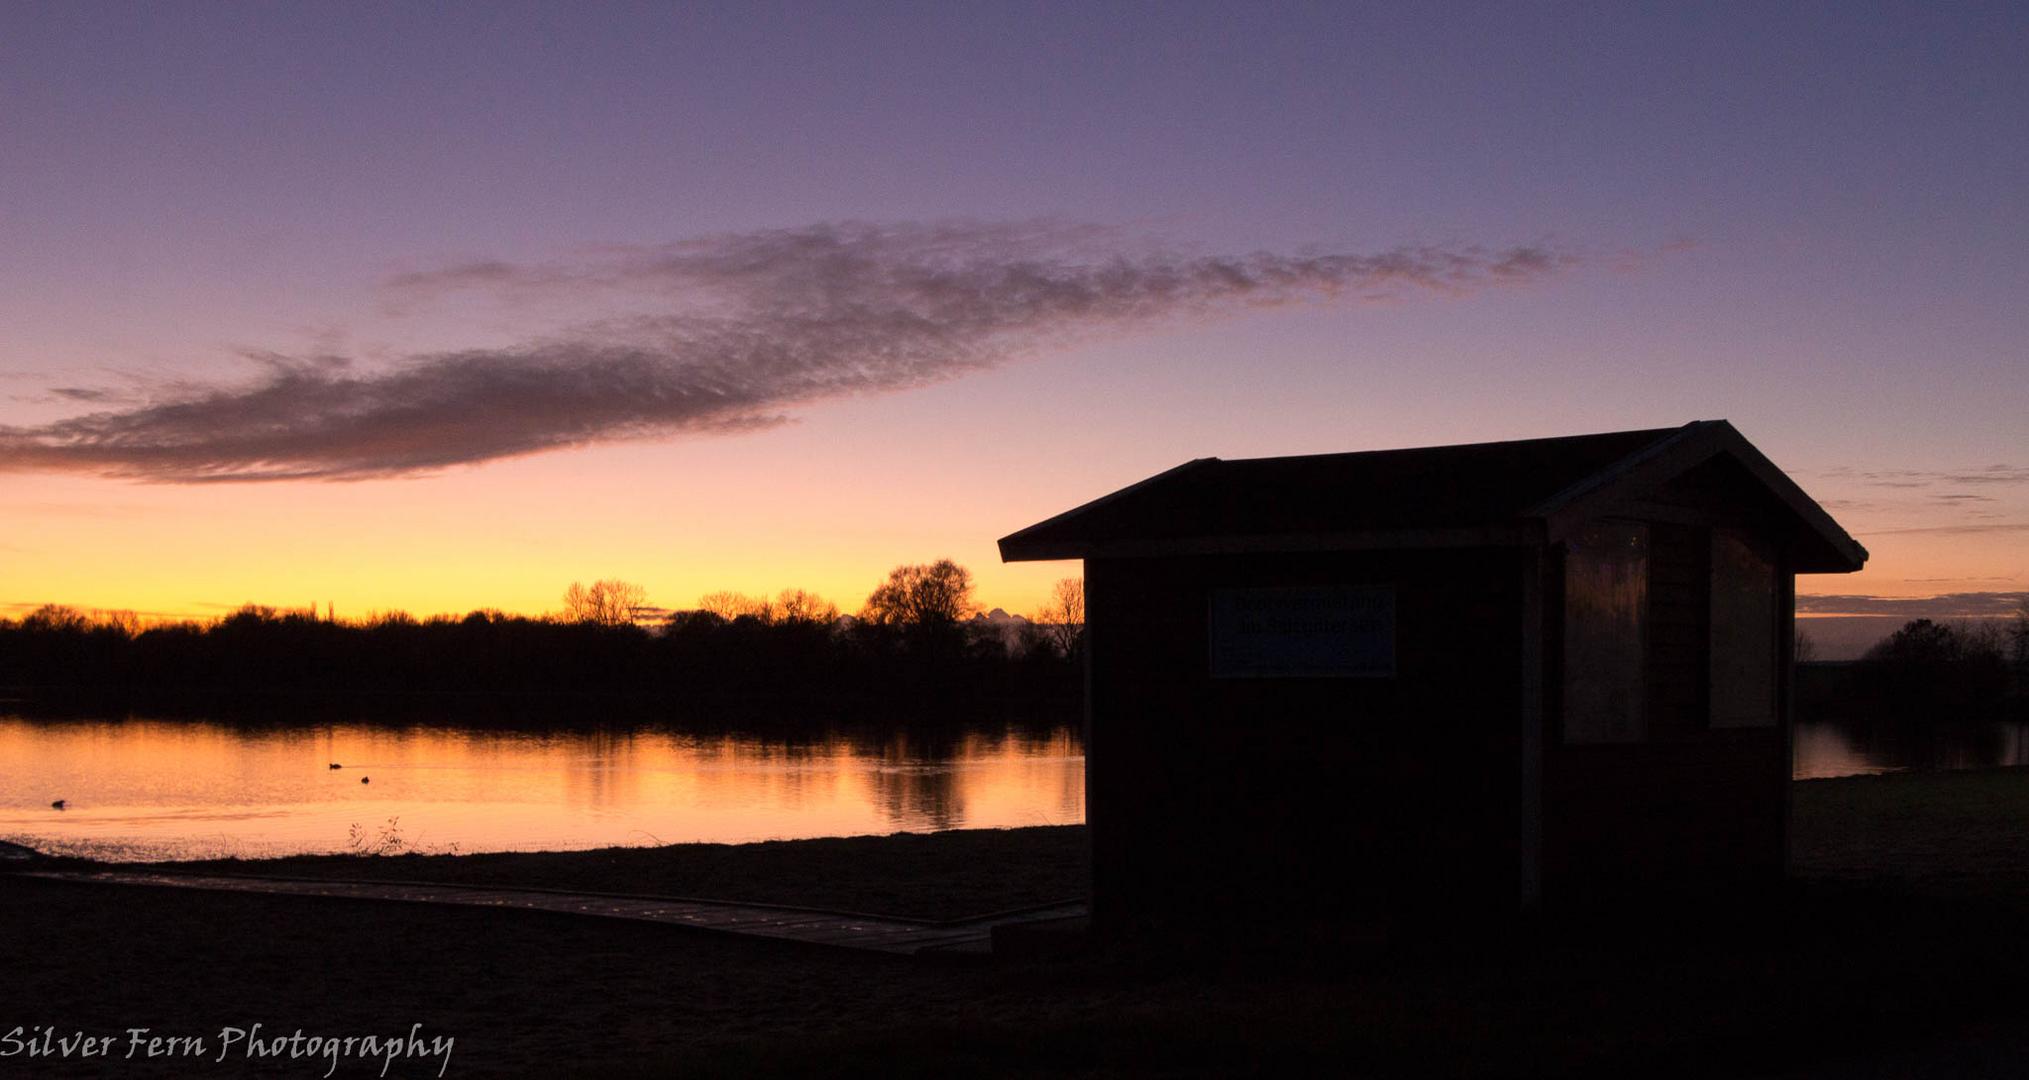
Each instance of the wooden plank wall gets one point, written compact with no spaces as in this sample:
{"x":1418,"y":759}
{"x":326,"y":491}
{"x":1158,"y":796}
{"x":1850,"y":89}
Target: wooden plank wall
{"x":1692,"y":812}
{"x":1292,"y":799}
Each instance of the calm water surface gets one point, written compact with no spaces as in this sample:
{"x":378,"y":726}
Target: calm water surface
{"x":1826,"y":749}
{"x":178,"y":789}
{"x":159,"y":789}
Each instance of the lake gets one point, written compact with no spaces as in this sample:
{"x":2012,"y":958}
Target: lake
{"x":1825,"y":749}
{"x":176,"y":789}
{"x":180,"y":789}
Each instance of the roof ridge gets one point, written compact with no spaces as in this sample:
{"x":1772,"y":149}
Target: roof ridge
{"x":1660,"y":432}
{"x":1601,"y":477}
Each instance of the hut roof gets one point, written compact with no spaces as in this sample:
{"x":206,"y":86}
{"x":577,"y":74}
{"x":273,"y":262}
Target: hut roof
{"x":1481,"y":493}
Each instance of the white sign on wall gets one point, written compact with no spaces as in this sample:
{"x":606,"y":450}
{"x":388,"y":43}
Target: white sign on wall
{"x":1310,"y":631}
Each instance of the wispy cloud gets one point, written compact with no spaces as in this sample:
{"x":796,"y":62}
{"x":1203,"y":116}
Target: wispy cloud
{"x":1946,"y":606}
{"x":1987,"y":476}
{"x":84,"y":393}
{"x":1949,"y":530}
{"x":717,"y":334}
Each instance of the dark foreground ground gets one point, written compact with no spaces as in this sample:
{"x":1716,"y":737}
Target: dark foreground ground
{"x":1903,"y":944}
{"x":936,"y":876}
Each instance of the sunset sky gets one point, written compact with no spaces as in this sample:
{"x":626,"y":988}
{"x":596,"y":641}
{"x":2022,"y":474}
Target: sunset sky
{"x":438,"y":307}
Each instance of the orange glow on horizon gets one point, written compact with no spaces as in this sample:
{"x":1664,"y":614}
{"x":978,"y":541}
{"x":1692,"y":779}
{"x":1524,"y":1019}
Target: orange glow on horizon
{"x":469,"y":540}
{"x":753,"y":514}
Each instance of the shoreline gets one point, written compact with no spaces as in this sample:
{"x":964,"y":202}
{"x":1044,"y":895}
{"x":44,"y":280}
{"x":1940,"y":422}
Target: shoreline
{"x":941,"y":876}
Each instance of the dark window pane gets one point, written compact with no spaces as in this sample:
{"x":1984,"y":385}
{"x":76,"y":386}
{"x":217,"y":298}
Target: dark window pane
{"x":1743,"y":634}
{"x":1605,"y":632}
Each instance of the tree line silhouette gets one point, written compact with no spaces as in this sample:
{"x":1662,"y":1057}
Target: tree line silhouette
{"x":1969,"y":671}
{"x":919,"y":638}
{"x":1926,"y":674}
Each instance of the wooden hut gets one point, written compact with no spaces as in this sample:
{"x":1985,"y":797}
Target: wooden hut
{"x":1439,"y":681}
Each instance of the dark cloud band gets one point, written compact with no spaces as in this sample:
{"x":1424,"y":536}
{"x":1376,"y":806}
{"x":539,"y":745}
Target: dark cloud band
{"x":725,"y":333}
{"x":1949,"y":605}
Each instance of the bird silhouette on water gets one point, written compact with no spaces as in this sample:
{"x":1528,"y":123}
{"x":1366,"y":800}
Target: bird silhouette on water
{"x":365,"y":779}
{"x":59,"y":804}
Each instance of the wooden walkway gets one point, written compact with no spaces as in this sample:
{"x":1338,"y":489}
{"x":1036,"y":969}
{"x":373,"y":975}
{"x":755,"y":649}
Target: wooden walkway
{"x":877,"y":933}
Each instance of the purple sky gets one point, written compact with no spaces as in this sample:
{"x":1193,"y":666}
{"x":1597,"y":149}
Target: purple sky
{"x":1808,"y":219}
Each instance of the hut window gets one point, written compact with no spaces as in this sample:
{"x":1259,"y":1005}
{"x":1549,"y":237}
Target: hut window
{"x":1327,"y":631}
{"x":1605,"y":632}
{"x":1743,"y":634}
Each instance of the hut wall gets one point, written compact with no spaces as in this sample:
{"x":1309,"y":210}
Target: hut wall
{"x":1228,"y":801}
{"x":1689,"y":809}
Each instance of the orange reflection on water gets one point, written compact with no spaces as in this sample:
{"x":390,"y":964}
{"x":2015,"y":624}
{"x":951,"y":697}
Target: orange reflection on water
{"x":151,"y":789}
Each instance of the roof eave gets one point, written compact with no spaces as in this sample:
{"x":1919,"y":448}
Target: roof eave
{"x":1024,"y":545}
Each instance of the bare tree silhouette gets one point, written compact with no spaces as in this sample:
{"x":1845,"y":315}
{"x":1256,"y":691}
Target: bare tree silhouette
{"x":927,"y":595}
{"x":1062,"y":617}
{"x":797,"y":606}
{"x":56,"y":617}
{"x":606,"y":603}
{"x":728,"y":606}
